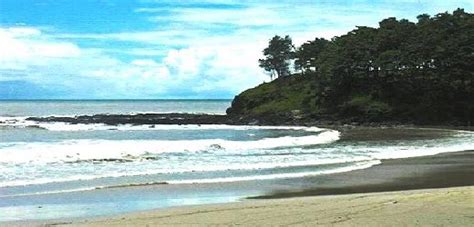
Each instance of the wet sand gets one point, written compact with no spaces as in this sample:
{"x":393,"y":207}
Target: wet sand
{"x":428,"y":190}
{"x":428,"y":207}
{"x":437,"y":171}
{"x":442,"y":197}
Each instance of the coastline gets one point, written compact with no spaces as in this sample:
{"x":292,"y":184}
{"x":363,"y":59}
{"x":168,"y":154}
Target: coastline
{"x":446,"y":206}
{"x":393,"y":180}
{"x":369,"y":127}
{"x":443,"y":170}
{"x":211,"y":119}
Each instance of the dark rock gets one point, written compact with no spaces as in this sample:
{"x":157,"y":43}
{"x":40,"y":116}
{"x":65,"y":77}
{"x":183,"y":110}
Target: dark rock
{"x":140,"y":119}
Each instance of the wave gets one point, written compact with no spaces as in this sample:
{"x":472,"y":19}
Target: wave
{"x":320,"y":156}
{"x":50,"y":192}
{"x":21,"y":122}
{"x":80,"y":150}
{"x":355,"y":166}
{"x":362,"y":165}
{"x":354,"y":154}
{"x":192,"y":169}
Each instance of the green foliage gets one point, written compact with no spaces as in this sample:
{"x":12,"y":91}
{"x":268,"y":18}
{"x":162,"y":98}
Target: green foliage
{"x":278,"y":55}
{"x":418,"y":72}
{"x":308,"y":53}
{"x":365,"y":107}
{"x":283,"y":95}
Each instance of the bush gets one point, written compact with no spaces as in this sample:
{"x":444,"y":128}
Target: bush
{"x":366,"y":107}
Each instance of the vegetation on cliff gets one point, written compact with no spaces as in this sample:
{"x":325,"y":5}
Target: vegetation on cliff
{"x":401,"y":71}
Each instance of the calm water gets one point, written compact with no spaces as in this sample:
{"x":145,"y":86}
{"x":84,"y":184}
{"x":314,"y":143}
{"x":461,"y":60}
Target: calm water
{"x":75,"y":169}
{"x":88,"y":107}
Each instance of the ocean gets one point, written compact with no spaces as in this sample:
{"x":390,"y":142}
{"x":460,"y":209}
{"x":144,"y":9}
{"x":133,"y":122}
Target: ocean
{"x":72,"y":170}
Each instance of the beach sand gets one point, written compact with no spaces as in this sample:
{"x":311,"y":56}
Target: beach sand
{"x":426,"y":172}
{"x":393,"y":203}
{"x":439,"y":207}
{"x":430,"y":190}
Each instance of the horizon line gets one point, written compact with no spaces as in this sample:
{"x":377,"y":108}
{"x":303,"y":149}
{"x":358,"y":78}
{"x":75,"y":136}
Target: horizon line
{"x":173,"y":99}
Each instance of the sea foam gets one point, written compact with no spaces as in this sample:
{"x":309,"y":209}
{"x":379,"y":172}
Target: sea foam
{"x":22,"y":122}
{"x":77,"y":150}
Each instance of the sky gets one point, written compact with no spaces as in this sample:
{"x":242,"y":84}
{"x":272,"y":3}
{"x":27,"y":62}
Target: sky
{"x":167,"y":49}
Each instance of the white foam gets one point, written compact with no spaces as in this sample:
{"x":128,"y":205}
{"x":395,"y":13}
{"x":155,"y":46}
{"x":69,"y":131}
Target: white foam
{"x":59,"y":126}
{"x":330,"y":155}
{"x":355,"y":166}
{"x":19,"y":159}
{"x":78,"y":150}
{"x":426,"y":150}
{"x":21,"y":122}
{"x":50,"y":192}
{"x":187,"y":169}
{"x":361,"y":165}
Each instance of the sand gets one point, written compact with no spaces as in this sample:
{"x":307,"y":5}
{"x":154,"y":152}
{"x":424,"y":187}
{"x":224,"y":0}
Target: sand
{"x":436,"y":171}
{"x":424,"y":191}
{"x":395,"y":203}
{"x":433,"y":207}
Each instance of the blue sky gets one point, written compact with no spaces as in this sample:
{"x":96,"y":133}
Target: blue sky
{"x":151,"y":49}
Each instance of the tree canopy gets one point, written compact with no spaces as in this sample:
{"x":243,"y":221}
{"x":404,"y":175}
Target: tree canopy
{"x":277,"y":56}
{"x":307,"y":54}
{"x":407,"y":71}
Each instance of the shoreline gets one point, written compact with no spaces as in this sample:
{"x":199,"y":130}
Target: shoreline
{"x":444,"y":170}
{"x":457,"y":203}
{"x":451,"y":169}
{"x":442,"y":206}
{"x":398,"y":177}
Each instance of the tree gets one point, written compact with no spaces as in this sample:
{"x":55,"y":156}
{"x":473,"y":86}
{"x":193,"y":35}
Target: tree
{"x":278,"y":56}
{"x":403,"y":71}
{"x":308,"y":54}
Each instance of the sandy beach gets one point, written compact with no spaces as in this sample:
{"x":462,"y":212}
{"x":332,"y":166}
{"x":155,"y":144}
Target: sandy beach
{"x":433,"y":207}
{"x":430,"y":190}
{"x":236,"y":113}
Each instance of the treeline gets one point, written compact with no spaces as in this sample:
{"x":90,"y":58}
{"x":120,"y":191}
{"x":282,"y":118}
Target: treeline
{"x":421,"y":72}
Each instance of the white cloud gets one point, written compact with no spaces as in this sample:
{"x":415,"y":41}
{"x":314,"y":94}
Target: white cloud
{"x":199,"y":71}
{"x":192,"y":51}
{"x":144,"y":62}
{"x":23,"y":47}
{"x":256,"y":16}
{"x":21,"y":31}
{"x":195,"y":72}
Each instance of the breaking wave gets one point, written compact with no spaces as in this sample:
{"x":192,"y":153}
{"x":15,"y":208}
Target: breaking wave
{"x":22,"y":122}
{"x":117,"y":150}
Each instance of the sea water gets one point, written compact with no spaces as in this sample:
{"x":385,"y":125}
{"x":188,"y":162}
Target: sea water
{"x":47,"y":164}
